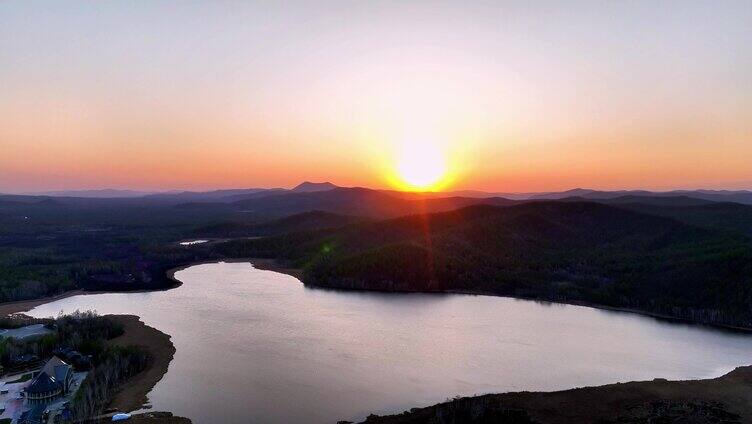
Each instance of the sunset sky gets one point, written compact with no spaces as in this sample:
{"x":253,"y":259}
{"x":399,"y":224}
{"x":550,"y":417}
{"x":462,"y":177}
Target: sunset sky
{"x":505,"y":96}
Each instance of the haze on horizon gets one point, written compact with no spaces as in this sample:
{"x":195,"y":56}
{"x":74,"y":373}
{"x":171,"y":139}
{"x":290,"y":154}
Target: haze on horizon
{"x":507,"y":96}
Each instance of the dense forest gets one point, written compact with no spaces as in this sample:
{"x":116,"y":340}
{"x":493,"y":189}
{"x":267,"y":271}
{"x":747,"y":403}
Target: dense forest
{"x":681,"y":256}
{"x":559,"y":251}
{"x":87,"y":262}
{"x":48,"y":247}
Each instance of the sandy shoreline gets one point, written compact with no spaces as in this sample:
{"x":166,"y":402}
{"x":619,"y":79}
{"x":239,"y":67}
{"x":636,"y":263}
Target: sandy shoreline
{"x":27,"y":305}
{"x":133,"y":395}
{"x":22,"y":306}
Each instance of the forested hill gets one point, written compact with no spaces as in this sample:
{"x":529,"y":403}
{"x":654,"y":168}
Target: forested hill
{"x":562,"y":251}
{"x":357,"y":201}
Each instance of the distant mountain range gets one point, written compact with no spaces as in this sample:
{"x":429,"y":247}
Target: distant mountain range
{"x":726,"y":210}
{"x":228,"y":195}
{"x":682,"y":253}
{"x":236,"y":195}
{"x":106,"y":193}
{"x":737,"y":196}
{"x":356,"y":201}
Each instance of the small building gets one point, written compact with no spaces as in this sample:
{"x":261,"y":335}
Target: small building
{"x":53,"y":381}
{"x":27,"y":332}
{"x":26,"y":359}
{"x":73,"y":357}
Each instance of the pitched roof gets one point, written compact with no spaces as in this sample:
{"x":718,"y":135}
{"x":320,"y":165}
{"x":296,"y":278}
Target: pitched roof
{"x":52,"y":363}
{"x":57,"y":368}
{"x":43,"y":383}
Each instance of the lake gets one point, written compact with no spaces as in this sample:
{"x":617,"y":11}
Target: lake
{"x":192,"y":242}
{"x":258,"y":346}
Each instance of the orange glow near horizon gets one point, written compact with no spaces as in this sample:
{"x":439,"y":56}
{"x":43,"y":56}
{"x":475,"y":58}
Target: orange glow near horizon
{"x":414,"y":96}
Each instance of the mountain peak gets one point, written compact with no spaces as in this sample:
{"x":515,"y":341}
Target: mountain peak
{"x":309,"y":187}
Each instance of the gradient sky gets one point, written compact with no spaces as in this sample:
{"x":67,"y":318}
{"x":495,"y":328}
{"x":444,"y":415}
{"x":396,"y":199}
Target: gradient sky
{"x":519,"y":96}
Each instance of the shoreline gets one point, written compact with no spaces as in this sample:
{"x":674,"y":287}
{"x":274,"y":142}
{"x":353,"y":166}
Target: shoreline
{"x":20,"y":306}
{"x":727,"y":398}
{"x":258,"y":263}
{"x":601,"y":307}
{"x":274,"y":265}
{"x":132,"y":396}
{"x":596,"y":306}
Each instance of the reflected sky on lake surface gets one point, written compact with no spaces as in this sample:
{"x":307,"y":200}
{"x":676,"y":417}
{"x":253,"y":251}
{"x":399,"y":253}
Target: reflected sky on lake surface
{"x":257,"y":346}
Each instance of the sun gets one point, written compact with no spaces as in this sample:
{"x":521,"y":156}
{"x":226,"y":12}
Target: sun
{"x":421,"y":166}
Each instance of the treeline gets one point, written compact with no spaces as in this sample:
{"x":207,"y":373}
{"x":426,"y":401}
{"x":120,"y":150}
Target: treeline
{"x":561,"y":251}
{"x":51,"y":266}
{"x":28,"y":273}
{"x":88,"y":333}
{"x":306,"y":221}
{"x":119,"y":364}
{"x":571,"y":252}
{"x":49,"y":246}
{"x":85,"y":332}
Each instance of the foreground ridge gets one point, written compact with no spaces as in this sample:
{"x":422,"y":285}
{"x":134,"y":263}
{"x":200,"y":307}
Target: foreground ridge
{"x":726,"y":399}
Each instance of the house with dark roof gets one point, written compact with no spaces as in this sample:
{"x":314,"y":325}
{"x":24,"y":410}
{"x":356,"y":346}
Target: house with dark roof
{"x":61,"y":371}
{"x":54,"y":380}
{"x":73,"y":357}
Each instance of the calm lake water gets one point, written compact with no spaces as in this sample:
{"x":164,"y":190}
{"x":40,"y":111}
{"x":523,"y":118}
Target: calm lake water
{"x":257,"y":346}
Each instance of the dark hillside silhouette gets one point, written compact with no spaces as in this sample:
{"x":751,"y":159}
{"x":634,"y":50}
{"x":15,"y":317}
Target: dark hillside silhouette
{"x":563,"y":251}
